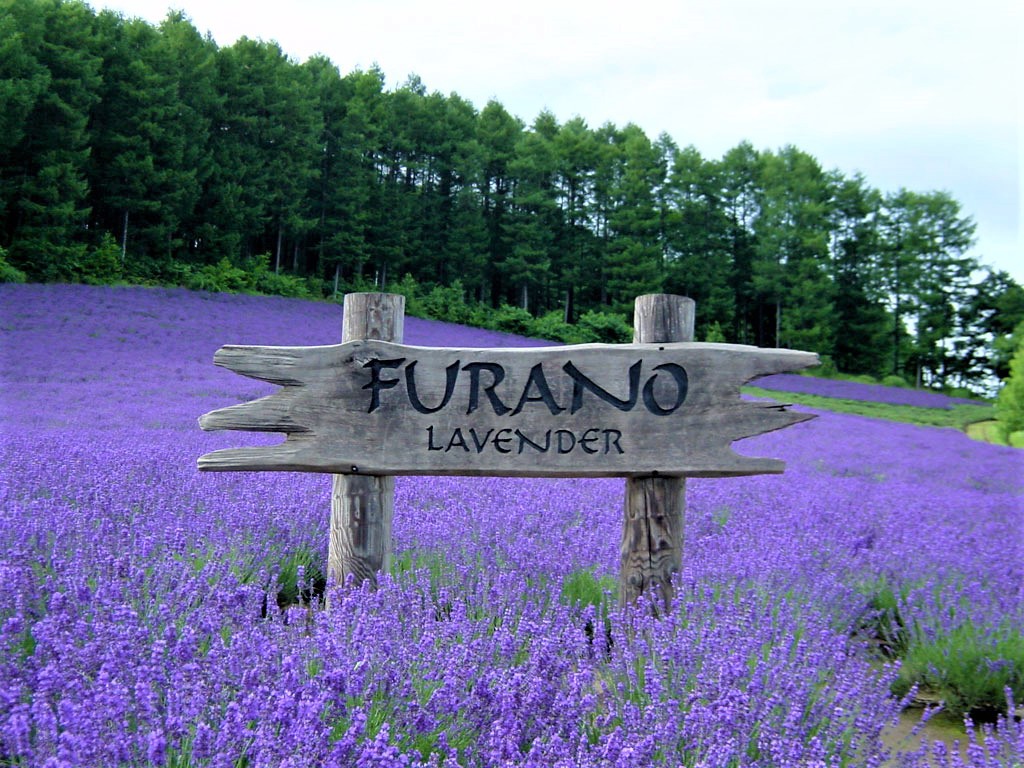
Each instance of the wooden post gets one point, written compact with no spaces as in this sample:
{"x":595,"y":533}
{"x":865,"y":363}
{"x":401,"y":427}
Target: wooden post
{"x":362,"y":506}
{"x":652,"y":532}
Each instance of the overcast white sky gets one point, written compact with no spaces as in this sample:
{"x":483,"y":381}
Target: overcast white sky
{"x":922,"y":94}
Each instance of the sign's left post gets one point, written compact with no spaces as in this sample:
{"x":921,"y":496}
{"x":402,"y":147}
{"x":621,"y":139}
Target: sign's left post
{"x":362,"y":506}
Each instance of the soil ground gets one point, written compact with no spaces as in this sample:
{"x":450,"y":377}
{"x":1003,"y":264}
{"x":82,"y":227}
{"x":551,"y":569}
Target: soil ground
{"x":941,"y":727}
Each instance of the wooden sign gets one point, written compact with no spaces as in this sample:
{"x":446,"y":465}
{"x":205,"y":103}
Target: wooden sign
{"x":378,"y":408}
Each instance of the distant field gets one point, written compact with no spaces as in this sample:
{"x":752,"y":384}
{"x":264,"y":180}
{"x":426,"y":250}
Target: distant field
{"x":858,"y":391}
{"x":155,"y":616}
{"x":955,"y":415}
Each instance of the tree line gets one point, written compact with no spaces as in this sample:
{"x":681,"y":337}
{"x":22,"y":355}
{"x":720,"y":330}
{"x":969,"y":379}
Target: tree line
{"x":147,"y":153}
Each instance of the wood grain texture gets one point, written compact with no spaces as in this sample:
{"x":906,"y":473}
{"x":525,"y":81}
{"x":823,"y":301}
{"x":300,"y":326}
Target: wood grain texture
{"x":511,"y":412}
{"x":652,"y":538}
{"x":652,"y":527}
{"x":663,"y":317}
{"x":362,"y":507}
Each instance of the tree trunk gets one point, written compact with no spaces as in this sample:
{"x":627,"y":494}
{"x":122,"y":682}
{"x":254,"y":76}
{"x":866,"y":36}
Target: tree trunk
{"x":124,"y":237}
{"x":277,"y":251}
{"x":778,"y":323}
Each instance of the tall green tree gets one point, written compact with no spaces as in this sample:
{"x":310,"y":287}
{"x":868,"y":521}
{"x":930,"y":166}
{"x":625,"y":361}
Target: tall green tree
{"x":792,"y":273}
{"x":407,"y":187}
{"x":136,"y":167}
{"x":634,"y":258}
{"x":265,"y":140}
{"x":925,"y":273}
{"x":991,"y":319}
{"x":861,"y":321}
{"x":454,"y":166}
{"x":498,"y":134}
{"x":698,"y":240}
{"x":24,"y":81}
{"x":532,"y":221}
{"x":945,"y":286}
{"x":45,"y":168}
{"x":463,"y":233}
{"x":189,"y":61}
{"x":575,"y":258}
{"x":351,"y":107}
{"x":996,"y":311}
{"x":738,"y":175}
{"x":899,"y":269}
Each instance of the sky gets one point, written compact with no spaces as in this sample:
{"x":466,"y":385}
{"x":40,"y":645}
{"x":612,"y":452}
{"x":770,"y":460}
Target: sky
{"x":918,"y":94}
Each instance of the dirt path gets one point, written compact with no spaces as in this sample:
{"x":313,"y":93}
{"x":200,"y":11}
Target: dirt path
{"x":941,"y":727}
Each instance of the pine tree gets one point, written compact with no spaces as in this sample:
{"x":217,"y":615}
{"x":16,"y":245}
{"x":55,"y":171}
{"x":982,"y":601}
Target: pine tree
{"x":634,"y":259}
{"x":697,"y":240}
{"x":45,"y":172}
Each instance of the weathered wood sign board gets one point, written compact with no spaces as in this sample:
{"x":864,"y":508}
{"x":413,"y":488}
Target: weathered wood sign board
{"x":377,"y":408}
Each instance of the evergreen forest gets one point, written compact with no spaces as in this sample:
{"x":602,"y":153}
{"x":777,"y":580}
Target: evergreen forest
{"x":149,"y":154}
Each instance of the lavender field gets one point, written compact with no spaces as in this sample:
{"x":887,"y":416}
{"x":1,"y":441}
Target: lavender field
{"x":144,"y":618}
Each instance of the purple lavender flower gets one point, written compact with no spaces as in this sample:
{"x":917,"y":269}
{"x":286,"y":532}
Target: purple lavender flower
{"x":854,"y":390}
{"x":135,"y":627}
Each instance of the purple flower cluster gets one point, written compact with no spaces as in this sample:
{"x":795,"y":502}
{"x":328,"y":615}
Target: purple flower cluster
{"x":855,"y":390}
{"x":138,"y":624}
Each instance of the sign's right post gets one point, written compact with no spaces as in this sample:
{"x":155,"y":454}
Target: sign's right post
{"x":652,"y":531}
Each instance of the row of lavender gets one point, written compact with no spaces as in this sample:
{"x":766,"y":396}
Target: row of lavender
{"x":138,"y":623}
{"x":858,"y":390}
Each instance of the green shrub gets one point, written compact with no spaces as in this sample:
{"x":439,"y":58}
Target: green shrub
{"x":222,"y":277}
{"x":101,"y":265}
{"x":715,"y":334}
{"x":960,"y":392}
{"x":410,"y":289}
{"x":970,"y":668}
{"x":826,"y":367}
{"x":553,"y":326}
{"x":512,"y":320}
{"x":447,"y":303}
{"x":8,"y":272}
{"x":264,"y":280}
{"x":605,"y":327}
{"x":895,"y":380}
{"x":1010,"y":402}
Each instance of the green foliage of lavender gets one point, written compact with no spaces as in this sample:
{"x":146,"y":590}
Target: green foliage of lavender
{"x":970,"y":667}
{"x":143,"y":621}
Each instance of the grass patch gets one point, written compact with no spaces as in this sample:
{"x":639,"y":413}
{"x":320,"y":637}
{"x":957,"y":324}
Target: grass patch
{"x":582,"y":588}
{"x":987,"y":431}
{"x":300,"y":578}
{"x":969,"y":668}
